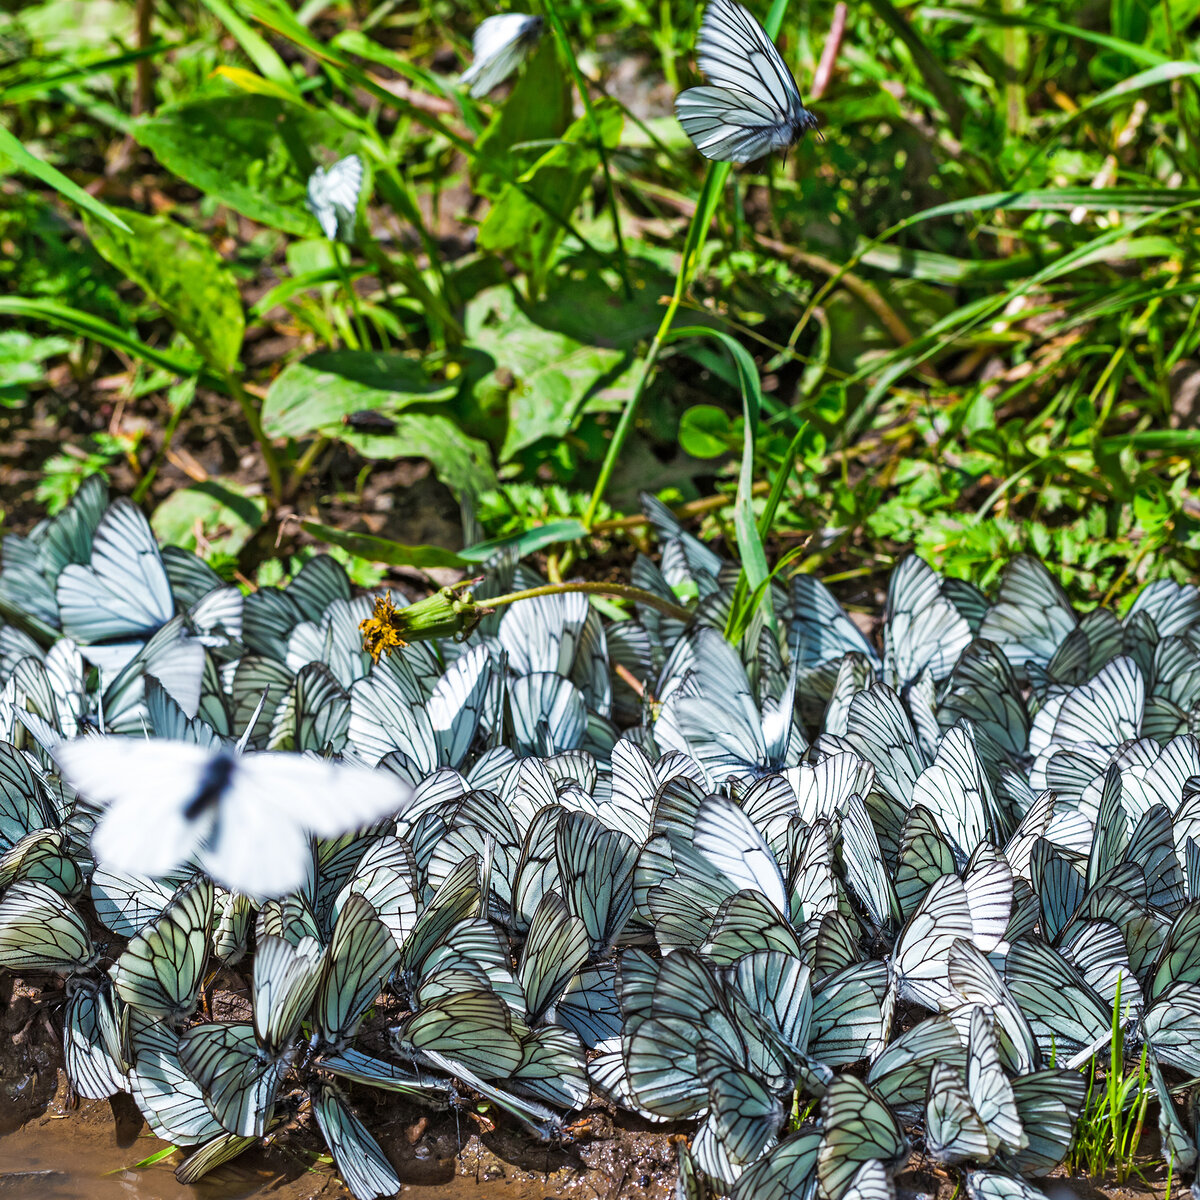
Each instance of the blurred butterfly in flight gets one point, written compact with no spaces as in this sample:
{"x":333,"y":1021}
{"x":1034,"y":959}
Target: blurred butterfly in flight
{"x":500,"y":45}
{"x":333,"y":195}
{"x":753,"y":105}
{"x":246,"y":819}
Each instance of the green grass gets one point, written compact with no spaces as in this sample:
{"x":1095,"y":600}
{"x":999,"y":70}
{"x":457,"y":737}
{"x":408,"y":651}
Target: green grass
{"x":1108,"y":1136}
{"x":979,"y":297}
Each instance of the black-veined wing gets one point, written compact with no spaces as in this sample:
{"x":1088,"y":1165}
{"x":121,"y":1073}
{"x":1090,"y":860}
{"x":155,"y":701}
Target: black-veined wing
{"x":162,"y":967}
{"x":92,"y":1043}
{"x":286,"y":978}
{"x":788,"y":1172}
{"x":856,"y":1127}
{"x":899,"y":1076}
{"x":747,"y":1114}
{"x":984,"y":689}
{"x":41,"y":931}
{"x":1062,"y":1009}
{"x":1048,"y":1105}
{"x":976,"y":981}
{"x":1106,"y":711}
{"x":122,"y":595}
{"x":595,"y":867}
{"x":754,"y":106}
{"x":361,"y":1163}
{"x":990,"y":1092}
{"x":849,"y":1021}
{"x":1172,"y":1025}
{"x":923,"y":630}
{"x":238,"y":1077}
{"x":474,"y":1028}
{"x":361,"y":956}
{"x":171,"y":1101}
{"x":548,"y":713}
{"x":588,"y":1005}
{"x":919,"y":966}
{"x":728,"y":839}
{"x":991,"y":1185}
{"x":1030,"y":615}
{"x":954,"y":1131}
{"x":556,"y":946}
{"x":553,"y":1067}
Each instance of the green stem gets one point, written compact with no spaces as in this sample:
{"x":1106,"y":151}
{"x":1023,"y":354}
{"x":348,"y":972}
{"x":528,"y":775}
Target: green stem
{"x":581,"y":86}
{"x":360,"y":326}
{"x":303,"y":465}
{"x":697,"y":235}
{"x":250,"y":413}
{"x":623,"y":591}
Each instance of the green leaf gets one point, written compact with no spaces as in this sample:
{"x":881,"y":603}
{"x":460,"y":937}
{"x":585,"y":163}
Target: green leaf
{"x":20,"y":158}
{"x":257,"y":49}
{"x":462,"y":463}
{"x":222,"y":512}
{"x":543,"y":378}
{"x":83,"y":324}
{"x":254,"y":153}
{"x":537,"y":110}
{"x":519,"y":226}
{"x":705,"y":432}
{"x":383,"y":550}
{"x":750,"y":591}
{"x":537,"y":538}
{"x":313,"y":395}
{"x":180,"y":271}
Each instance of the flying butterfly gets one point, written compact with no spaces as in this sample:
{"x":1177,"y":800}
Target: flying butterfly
{"x":332,"y":195}
{"x":753,"y":105}
{"x":247,"y":818}
{"x":500,"y":44}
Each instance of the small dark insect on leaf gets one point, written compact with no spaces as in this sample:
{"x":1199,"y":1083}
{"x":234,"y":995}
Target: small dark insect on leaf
{"x":368,"y":421}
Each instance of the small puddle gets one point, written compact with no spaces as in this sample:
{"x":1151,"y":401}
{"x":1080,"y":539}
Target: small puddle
{"x":62,"y":1159}
{"x":83,"y":1156}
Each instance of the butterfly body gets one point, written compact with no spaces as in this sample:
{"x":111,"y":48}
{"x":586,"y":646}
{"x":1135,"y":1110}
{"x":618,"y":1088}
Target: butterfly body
{"x":213,"y":783}
{"x":752,"y":105}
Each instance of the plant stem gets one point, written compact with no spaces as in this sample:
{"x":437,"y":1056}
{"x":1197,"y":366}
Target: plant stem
{"x":360,"y":327}
{"x":250,"y":412}
{"x":581,"y":86}
{"x":303,"y":465}
{"x":623,"y":591}
{"x":697,"y":235}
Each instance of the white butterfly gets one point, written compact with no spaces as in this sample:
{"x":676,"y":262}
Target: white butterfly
{"x":754,"y":106}
{"x":333,"y":195}
{"x":247,"y":819}
{"x":500,"y":44}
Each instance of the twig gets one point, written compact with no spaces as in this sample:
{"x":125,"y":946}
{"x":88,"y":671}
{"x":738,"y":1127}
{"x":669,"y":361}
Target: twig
{"x":829,"y":54}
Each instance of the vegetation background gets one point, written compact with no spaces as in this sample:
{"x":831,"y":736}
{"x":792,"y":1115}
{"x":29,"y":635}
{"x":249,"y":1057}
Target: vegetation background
{"x":965,"y":322}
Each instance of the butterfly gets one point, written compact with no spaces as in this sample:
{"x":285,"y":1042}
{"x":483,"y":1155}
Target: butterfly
{"x":246,"y":818}
{"x":753,"y":106}
{"x":332,"y":195}
{"x":500,"y":44}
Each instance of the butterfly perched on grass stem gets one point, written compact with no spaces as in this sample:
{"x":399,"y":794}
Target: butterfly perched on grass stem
{"x":332,"y":195}
{"x":752,"y":105}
